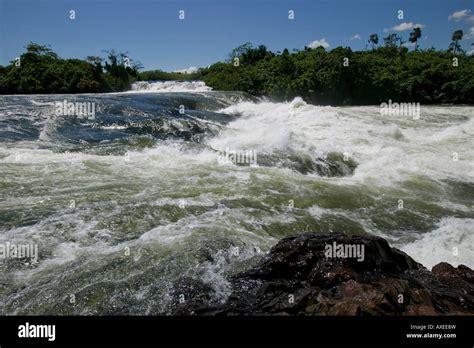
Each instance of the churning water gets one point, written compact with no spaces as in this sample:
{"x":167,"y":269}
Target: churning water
{"x":126,"y":204}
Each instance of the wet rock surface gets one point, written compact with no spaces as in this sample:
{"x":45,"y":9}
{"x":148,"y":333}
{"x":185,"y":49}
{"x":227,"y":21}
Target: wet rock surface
{"x":308,"y":274}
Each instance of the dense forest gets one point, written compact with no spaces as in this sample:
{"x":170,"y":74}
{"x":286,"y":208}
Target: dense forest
{"x":40,"y":70}
{"x":338,"y":77}
{"x":345,"y":77}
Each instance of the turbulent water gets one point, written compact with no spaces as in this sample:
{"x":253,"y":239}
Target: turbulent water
{"x":125,"y":205}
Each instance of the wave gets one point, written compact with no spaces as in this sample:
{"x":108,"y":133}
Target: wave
{"x":388,"y":150}
{"x":452,"y":241}
{"x":170,"y":86}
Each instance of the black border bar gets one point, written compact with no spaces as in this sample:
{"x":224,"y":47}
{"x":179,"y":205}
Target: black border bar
{"x":193,"y":330}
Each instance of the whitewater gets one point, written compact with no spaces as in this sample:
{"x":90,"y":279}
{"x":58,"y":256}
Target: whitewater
{"x":128,"y":205}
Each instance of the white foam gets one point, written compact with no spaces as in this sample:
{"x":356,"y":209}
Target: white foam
{"x":169,"y":86}
{"x":113,"y":127}
{"x":215,"y":273}
{"x":34,"y":102}
{"x":387,"y":149}
{"x":452,"y":236}
{"x":317,"y":212}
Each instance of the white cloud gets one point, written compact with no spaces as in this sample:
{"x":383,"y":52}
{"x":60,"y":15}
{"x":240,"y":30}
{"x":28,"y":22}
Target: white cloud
{"x":469,"y":34}
{"x":460,"y":15}
{"x":189,"y":70}
{"x":317,"y":43}
{"x":356,"y":37}
{"x":470,"y":53}
{"x":405,"y":26}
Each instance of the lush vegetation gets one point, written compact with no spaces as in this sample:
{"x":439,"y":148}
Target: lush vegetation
{"x":343,"y":76}
{"x":383,"y":71}
{"x":40,"y":70}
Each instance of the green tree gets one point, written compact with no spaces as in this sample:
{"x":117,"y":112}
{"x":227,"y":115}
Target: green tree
{"x":37,"y":49}
{"x":392,"y":40}
{"x":455,"y":47}
{"x":373,"y":40}
{"x":42,"y":71}
{"x":122,"y":71}
{"x":320,"y":77}
{"x":239,"y":51}
{"x":414,"y":36}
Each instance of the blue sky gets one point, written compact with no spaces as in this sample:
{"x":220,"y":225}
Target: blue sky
{"x":152,"y":33}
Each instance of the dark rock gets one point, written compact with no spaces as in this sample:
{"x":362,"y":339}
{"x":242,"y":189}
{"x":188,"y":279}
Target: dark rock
{"x":191,"y":291}
{"x":298,"y":277}
{"x":332,"y":165}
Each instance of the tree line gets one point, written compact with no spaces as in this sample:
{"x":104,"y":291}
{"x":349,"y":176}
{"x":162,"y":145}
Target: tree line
{"x":338,"y":77}
{"x":394,"y":39}
{"x":345,"y":77}
{"x":40,"y":70}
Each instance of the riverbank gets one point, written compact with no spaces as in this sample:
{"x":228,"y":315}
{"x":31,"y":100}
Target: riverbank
{"x":336,"y":77}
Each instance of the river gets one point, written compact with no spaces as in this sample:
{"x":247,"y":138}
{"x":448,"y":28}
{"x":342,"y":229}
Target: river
{"x":124,"y":203}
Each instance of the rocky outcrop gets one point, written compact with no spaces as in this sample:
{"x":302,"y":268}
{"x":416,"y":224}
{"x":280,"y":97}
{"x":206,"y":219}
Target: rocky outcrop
{"x":335,"y":274}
